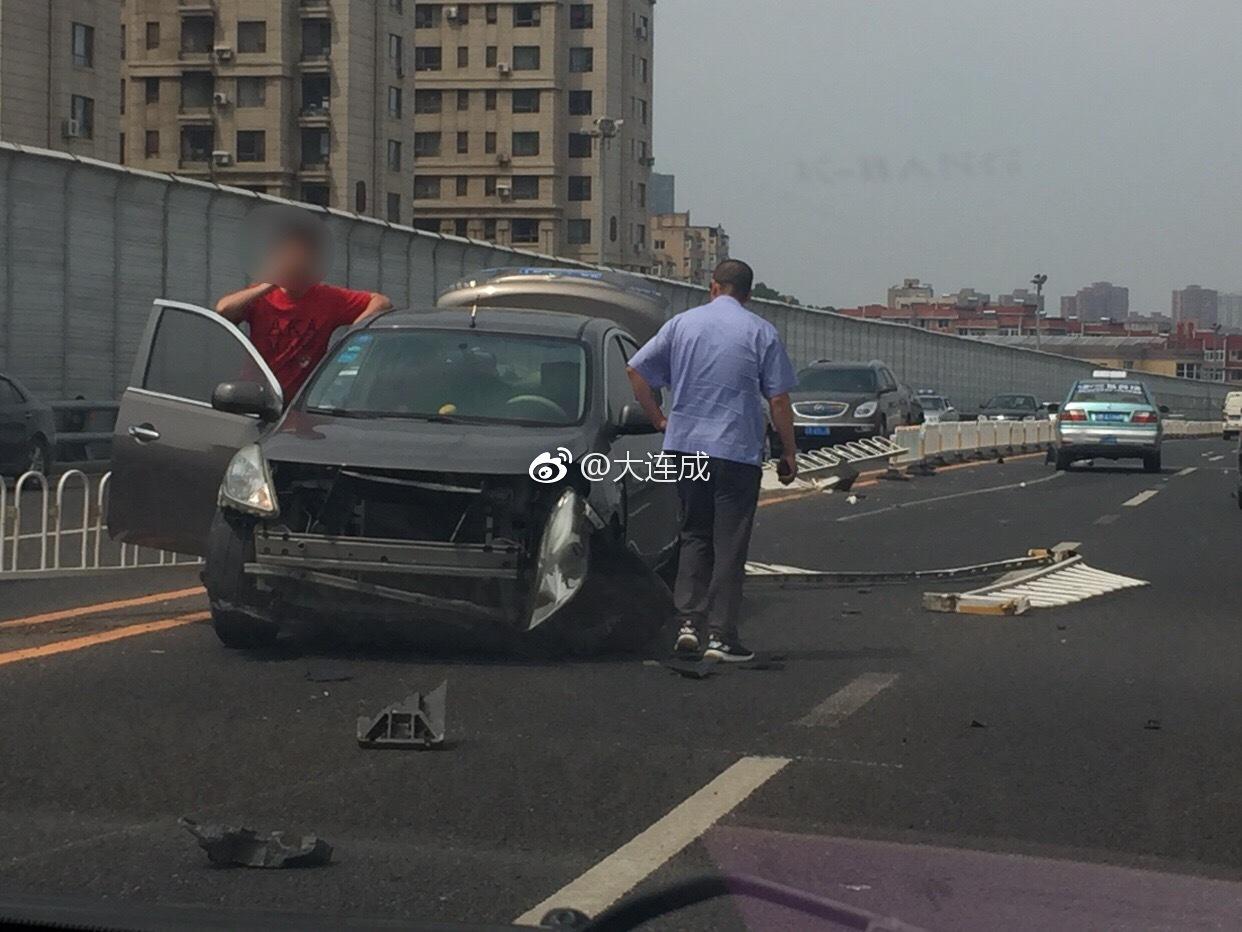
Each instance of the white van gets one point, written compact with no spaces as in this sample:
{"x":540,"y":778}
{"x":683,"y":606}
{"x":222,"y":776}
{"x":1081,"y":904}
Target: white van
{"x":1231,"y":414}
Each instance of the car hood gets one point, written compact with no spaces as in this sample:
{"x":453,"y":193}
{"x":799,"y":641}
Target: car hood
{"x":850,"y":398}
{"x":1009,"y":412}
{"x":394,"y":443}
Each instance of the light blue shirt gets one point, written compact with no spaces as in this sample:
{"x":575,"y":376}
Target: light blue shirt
{"x":721,"y":362}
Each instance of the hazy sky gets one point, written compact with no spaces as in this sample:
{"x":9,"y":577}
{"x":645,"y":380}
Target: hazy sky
{"x":846,"y":144}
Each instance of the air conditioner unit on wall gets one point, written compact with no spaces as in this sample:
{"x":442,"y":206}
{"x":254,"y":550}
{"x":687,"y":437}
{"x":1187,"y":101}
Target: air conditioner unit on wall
{"x":503,"y":158}
{"x":222,"y":158}
{"x":221,"y":99}
{"x":504,"y":190}
{"x":224,"y":52}
{"x":505,"y":68}
{"x":452,"y":13}
{"x":71,"y":129}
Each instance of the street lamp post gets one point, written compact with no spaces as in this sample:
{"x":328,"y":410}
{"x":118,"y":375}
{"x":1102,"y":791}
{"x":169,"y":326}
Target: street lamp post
{"x":1038,"y":281}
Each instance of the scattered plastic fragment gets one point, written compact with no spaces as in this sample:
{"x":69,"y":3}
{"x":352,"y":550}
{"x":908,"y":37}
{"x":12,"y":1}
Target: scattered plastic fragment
{"x":851,"y":611}
{"x":244,"y":847}
{"x":853,"y":499}
{"x":975,"y":723}
{"x":1153,"y":724}
{"x":693,"y":669}
{"x":416,"y":722}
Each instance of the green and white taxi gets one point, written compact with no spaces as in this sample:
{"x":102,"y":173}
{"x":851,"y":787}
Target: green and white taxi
{"x":1109,"y":416}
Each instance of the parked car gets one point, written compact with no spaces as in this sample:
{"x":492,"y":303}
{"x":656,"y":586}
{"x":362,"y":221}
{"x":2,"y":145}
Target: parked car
{"x":835,"y":402}
{"x":1231,"y":415}
{"x":27,"y":430}
{"x":1109,"y":416}
{"x":936,"y":408}
{"x":1012,"y":408}
{"x":399,"y":486}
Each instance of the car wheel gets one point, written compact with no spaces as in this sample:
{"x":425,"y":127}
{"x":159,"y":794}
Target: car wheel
{"x":230,"y":545}
{"x":883,"y":426}
{"x":1062,"y":462}
{"x":1151,"y":462}
{"x":38,"y":457}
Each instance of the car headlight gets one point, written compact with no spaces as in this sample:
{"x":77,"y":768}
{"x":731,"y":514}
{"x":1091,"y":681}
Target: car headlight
{"x":247,"y":484}
{"x":564,"y":554}
{"x":866,"y":409}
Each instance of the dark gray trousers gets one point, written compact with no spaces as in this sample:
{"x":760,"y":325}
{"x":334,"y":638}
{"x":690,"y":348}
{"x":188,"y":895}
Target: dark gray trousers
{"x":716,"y":520}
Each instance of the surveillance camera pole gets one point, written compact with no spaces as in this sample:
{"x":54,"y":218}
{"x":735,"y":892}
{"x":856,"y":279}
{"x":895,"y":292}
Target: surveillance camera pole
{"x":606,"y":129}
{"x":1038,"y":281}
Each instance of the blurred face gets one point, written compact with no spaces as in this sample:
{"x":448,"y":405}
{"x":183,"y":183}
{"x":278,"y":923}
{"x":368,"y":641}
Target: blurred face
{"x":294,"y":264}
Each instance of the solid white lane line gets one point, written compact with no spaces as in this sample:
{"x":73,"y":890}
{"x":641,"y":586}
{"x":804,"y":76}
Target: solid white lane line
{"x":950,"y":497}
{"x":847,"y":700}
{"x":1213,"y":459}
{"x":1188,"y":470}
{"x":1140,"y":498}
{"x":628,"y":866}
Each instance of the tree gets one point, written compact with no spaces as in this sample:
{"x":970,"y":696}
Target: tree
{"x":766,"y":293}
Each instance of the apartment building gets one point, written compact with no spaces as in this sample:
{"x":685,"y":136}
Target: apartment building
{"x":306,"y":99}
{"x":532,"y":125}
{"x":687,"y":252}
{"x":60,"y":75}
{"x":1196,"y":304}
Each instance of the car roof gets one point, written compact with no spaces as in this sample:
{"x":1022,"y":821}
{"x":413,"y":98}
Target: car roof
{"x":492,"y":320}
{"x":845,"y":364}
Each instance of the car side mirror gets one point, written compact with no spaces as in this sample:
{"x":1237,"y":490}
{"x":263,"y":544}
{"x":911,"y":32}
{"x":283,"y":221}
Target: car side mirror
{"x":1052,"y":407}
{"x":633,"y":420}
{"x":1164,"y":409}
{"x":251,"y":398}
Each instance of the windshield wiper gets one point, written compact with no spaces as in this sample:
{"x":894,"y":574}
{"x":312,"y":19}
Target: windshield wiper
{"x":345,"y":412}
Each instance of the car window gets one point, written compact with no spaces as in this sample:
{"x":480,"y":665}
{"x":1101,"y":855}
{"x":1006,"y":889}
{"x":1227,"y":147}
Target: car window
{"x":859,"y":380}
{"x":454,"y":373}
{"x":931,"y":402}
{"x":1012,"y":401}
{"x":1120,"y":392}
{"x":8,"y":394}
{"x":193,"y":353}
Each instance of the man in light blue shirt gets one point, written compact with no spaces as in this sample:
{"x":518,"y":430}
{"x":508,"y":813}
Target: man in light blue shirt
{"x":721,"y":362}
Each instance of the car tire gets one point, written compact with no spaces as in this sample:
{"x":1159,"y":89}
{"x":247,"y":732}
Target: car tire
{"x":230,"y":545}
{"x":1062,"y":461}
{"x":883,"y":429}
{"x":38,"y":457}
{"x":1151,"y":462}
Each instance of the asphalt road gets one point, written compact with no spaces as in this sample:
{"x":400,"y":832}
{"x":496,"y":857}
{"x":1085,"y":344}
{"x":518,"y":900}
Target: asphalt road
{"x":1097,"y":786}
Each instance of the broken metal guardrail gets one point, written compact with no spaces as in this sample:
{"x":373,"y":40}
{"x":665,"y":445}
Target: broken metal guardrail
{"x":58,"y":530}
{"x":415,"y":722}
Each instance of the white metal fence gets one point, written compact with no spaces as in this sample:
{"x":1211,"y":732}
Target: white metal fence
{"x":57,"y":528}
{"x":86,"y":246}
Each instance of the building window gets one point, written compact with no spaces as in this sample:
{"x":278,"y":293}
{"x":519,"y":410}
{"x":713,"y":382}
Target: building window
{"x":123,"y":96}
{"x":82,"y":111}
{"x":525,"y":143}
{"x":316,"y":145}
{"x":252,"y":36}
{"x":427,"y":57}
{"x":396,"y":55}
{"x":197,"y":88}
{"x":612,"y":229}
{"x":393,"y":214}
{"x":526,"y":58}
{"x":251,"y":92}
{"x":526,"y":187}
{"x":394,"y":102}
{"x":121,"y":148}
{"x":581,"y":60}
{"x":251,"y":145}
{"x":579,"y":146}
{"x":642,"y":195}
{"x":426,"y":16}
{"x":398,"y":7}
{"x":426,"y":187}
{"x":316,"y":194}
{"x":463,"y":143}
{"x":525,"y":14}
{"x":316,"y":38}
{"x":581,"y":16}
{"x":489,"y":186}
{"x":463,"y":185}
{"x":463,"y":100}
{"x":463,"y":56}
{"x":152,"y":86}
{"x":197,"y":143}
{"x":489,"y":143}
{"x":151,"y":145}
{"x":427,"y":224}
{"x":579,"y":187}
{"x":83,"y":45}
{"x":463,"y":14}
{"x":316,"y":92}
{"x":526,"y":101}
{"x":426,"y":145}
{"x":578,"y":232}
{"x":153,"y":35}
{"x":394,"y":155}
{"x":639,"y":108}
{"x":427,"y":101}
{"x":523,"y":230}
{"x":124,"y":47}
{"x":490,"y":56}
{"x":360,"y":197}
{"x":489,"y":230}
{"x":642,"y":70}
{"x":580,"y":103}
{"x":489,"y":100}
{"x":197,"y":34}
{"x":491,"y":13}
{"x":461,"y":227}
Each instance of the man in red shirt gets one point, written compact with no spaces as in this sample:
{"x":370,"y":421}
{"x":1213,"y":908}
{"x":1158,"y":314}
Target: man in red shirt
{"x":292,"y":314}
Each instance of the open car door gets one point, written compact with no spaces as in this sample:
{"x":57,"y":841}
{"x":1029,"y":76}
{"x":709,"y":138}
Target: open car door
{"x":171,"y":446}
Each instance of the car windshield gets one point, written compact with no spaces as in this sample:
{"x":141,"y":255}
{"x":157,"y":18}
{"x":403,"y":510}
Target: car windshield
{"x":1012,"y":401}
{"x":455,"y":374}
{"x":857,"y":380}
{"x":1118,"y":392}
{"x":932,"y":402}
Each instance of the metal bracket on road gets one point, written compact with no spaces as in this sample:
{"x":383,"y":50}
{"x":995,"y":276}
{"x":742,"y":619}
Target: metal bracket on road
{"x":418,"y":722}
{"x":837,"y":464}
{"x":1064,"y":582}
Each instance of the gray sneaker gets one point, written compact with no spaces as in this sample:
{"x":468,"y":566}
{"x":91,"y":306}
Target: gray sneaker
{"x":727,"y":653}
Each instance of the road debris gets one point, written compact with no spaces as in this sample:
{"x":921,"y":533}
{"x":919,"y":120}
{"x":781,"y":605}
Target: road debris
{"x":416,"y":722}
{"x":975,"y":723}
{"x":244,"y":847}
{"x":328,"y":673}
{"x":1153,"y":724}
{"x":699,"y":669}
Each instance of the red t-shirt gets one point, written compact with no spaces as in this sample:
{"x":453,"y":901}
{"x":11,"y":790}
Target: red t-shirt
{"x":292,"y":334}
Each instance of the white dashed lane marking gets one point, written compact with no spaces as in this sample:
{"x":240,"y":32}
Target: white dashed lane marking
{"x":847,"y":700}
{"x":1188,"y":470}
{"x":1140,"y":498}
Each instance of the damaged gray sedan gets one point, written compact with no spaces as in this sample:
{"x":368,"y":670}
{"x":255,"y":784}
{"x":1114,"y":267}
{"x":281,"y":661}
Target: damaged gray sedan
{"x":398,"y":488}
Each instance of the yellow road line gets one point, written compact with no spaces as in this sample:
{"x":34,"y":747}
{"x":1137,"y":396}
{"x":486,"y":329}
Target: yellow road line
{"x":81,"y":610}
{"x":102,"y":637}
